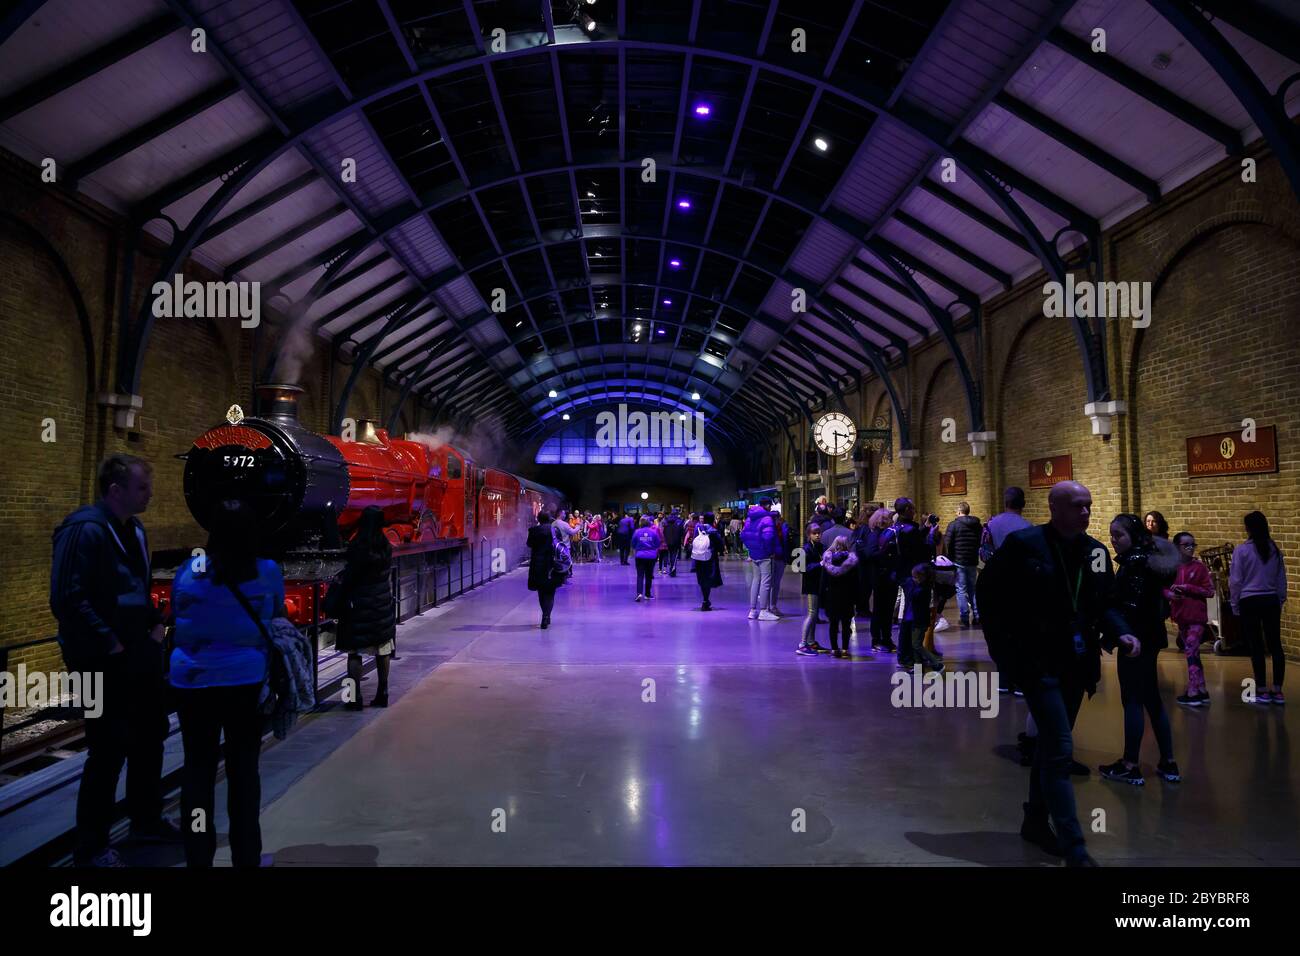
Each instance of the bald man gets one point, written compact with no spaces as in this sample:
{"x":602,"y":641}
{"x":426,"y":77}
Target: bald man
{"x":1050,"y":612}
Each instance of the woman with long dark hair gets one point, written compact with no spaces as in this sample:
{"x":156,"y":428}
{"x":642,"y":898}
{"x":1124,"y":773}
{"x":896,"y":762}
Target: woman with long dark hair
{"x":1144,"y":570}
{"x":1257,"y":589}
{"x":545,"y":574}
{"x":1156,"y":524}
{"x":361,"y":597}
{"x":707,"y":558}
{"x":224,"y":602}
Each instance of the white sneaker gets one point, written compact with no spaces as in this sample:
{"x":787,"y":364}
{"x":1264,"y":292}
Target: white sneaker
{"x":768,"y":616}
{"x":941,"y":624}
{"x":753,"y":615}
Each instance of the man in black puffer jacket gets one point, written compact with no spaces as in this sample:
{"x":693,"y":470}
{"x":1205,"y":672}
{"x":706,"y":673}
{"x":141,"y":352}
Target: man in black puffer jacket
{"x":674,"y":534}
{"x":961,"y":543}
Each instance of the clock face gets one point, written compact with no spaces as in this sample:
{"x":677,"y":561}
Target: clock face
{"x":835,"y":433}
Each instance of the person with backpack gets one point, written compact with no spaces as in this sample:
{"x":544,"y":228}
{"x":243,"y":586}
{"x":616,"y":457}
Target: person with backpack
{"x":706,"y":553}
{"x":759,"y":537}
{"x":961,"y":543}
{"x":626,"y":525}
{"x":224,"y":607}
{"x":549,"y":562}
{"x":905,"y":546}
{"x":1257,"y":590}
{"x":361,"y":599}
{"x":647,"y":544}
{"x":1187,"y":596}
{"x":1047,"y":599}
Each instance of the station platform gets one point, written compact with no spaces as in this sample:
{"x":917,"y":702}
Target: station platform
{"x":493,"y":720}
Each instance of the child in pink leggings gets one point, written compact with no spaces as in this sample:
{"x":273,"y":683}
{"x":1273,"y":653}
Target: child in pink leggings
{"x":1186,"y":597}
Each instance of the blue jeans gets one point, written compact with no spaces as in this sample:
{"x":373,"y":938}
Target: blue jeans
{"x":966,"y":576}
{"x":1054,"y":704}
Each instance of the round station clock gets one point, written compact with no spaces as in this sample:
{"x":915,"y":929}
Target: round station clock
{"x":835,"y":433}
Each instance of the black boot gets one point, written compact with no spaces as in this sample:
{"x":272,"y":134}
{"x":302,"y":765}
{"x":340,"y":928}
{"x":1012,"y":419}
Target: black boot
{"x":1037,"y":829}
{"x":546,"y":621}
{"x":381,"y":699}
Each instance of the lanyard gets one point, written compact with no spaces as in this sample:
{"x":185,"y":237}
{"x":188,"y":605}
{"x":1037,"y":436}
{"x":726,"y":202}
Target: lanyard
{"x":1078,"y":580}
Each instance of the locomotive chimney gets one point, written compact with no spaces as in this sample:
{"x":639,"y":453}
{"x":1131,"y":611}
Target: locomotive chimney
{"x":277,"y":402}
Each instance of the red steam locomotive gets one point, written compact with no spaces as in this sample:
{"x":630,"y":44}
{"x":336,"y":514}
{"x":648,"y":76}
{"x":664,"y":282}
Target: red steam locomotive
{"x":309,"y":490}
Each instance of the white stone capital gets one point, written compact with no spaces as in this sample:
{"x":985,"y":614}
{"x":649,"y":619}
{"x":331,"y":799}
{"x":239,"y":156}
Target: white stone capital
{"x":1103,"y":415}
{"x":125,"y":406}
{"x":979,"y":442}
{"x":909,"y":457}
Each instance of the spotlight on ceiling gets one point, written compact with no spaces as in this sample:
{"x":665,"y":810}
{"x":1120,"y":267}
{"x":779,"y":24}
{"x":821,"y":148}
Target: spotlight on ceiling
{"x":644,"y":495}
{"x":552,"y":394}
{"x":703,"y":109}
{"x":821,"y":144}
{"x":519,"y":323}
{"x":695,"y":396}
{"x":565,"y":416}
{"x":663,"y":332}
{"x":675,"y":263}
{"x":590,"y":194}
{"x":683,"y":203}
{"x":588,"y":24}
{"x":637,"y":327}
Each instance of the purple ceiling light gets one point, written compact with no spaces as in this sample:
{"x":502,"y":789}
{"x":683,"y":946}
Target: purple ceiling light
{"x":683,"y":203}
{"x":668,"y":301}
{"x":703,"y":109}
{"x":675,"y":263}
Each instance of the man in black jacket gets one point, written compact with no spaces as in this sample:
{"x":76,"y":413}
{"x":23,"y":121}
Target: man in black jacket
{"x":99,"y":594}
{"x":674,"y":534}
{"x":1047,"y":600}
{"x":961,"y":543}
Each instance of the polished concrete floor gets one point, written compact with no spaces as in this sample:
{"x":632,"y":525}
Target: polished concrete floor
{"x":523,"y":747}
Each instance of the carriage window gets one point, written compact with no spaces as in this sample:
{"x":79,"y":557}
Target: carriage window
{"x":453,"y":467}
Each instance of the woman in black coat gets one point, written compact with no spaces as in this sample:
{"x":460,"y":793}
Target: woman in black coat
{"x":1144,"y":568}
{"x":708,"y":574}
{"x":361,"y":598}
{"x":544,"y":575}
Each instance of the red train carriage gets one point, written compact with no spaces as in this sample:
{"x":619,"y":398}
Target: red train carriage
{"x":309,"y":490}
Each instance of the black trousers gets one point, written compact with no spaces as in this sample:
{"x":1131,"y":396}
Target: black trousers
{"x":1261,"y":621}
{"x":841,"y":619}
{"x":624,"y":548}
{"x":207,"y":712}
{"x":129,"y":730}
{"x":1054,"y":704}
{"x":546,"y":601}
{"x":883,"y":594}
{"x":645,"y":575}
{"x":1139,"y":691}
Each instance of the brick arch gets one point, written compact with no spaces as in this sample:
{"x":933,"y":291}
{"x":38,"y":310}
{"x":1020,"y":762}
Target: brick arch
{"x":1204,"y":232}
{"x":1199,"y":368}
{"x":47,"y":367}
{"x":1042,"y":372}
